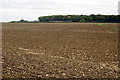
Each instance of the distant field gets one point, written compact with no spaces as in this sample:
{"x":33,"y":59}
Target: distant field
{"x":60,"y":50}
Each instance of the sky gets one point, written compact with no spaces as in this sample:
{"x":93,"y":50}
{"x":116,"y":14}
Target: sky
{"x":15,"y":10}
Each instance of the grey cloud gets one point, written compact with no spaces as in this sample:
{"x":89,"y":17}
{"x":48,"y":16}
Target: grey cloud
{"x":17,"y":9}
{"x":27,"y":5}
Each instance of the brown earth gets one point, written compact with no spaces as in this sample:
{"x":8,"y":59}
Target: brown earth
{"x":60,"y":50}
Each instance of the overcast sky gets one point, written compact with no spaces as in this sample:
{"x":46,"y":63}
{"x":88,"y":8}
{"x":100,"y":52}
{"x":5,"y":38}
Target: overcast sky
{"x":11,"y":10}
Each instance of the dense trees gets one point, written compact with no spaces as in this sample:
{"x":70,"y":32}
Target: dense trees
{"x":81,"y":18}
{"x":75,"y":18}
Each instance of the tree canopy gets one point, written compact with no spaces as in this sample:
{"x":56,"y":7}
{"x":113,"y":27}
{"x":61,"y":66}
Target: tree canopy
{"x":81,"y":18}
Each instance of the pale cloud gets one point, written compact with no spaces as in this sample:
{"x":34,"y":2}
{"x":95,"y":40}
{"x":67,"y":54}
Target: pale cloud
{"x":32,"y":9}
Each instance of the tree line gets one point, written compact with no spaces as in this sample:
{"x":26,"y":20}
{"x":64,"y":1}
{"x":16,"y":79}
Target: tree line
{"x":81,"y":18}
{"x":24,"y":21}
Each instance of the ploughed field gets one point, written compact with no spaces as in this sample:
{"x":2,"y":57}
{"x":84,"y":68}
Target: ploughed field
{"x":60,"y":50}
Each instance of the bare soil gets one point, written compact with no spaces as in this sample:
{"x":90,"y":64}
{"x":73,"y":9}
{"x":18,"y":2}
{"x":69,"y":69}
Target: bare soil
{"x":60,"y":50}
